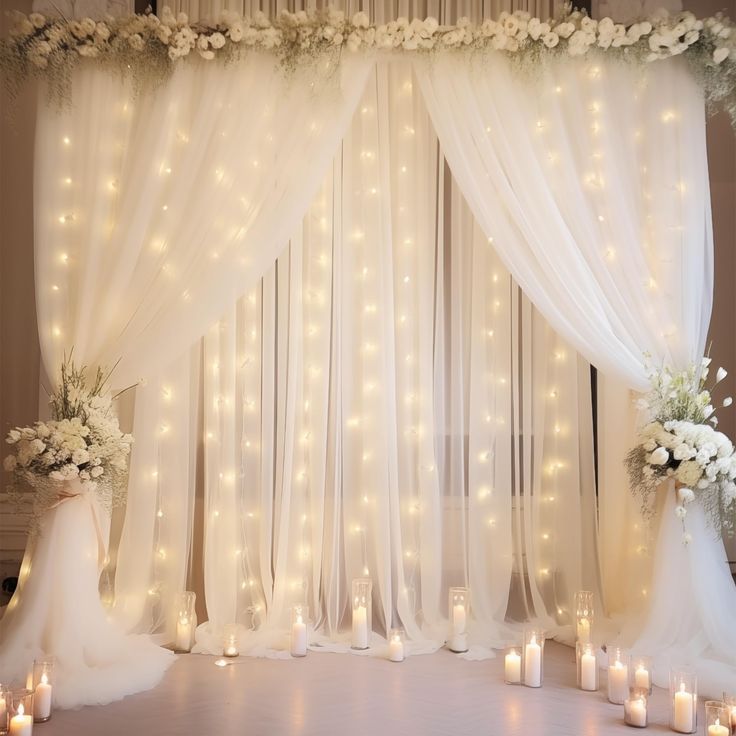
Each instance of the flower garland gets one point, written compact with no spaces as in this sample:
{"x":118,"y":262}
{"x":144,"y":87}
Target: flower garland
{"x":147,"y":46}
{"x":680,"y":442}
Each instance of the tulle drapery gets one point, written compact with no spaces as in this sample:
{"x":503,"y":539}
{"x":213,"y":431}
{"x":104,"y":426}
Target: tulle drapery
{"x":154,"y":212}
{"x":592,"y":179}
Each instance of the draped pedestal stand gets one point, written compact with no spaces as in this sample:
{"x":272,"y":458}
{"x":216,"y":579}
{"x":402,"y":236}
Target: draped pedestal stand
{"x":692,"y":601}
{"x":56,"y":611}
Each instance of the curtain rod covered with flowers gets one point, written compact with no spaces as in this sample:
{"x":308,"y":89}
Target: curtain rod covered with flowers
{"x":147,"y":47}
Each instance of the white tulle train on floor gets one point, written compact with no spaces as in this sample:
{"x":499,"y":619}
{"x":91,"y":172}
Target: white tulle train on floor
{"x":690,"y":620}
{"x":56,"y":611}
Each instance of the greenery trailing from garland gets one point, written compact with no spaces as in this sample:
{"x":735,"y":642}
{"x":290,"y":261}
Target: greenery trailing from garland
{"x":147,"y":47}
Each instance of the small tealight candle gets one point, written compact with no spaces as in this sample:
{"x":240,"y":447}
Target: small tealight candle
{"x":718,"y":730}
{"x":512,"y":667}
{"x":395,"y":646}
{"x":230,"y":642}
{"x":717,"y":718}
{"x":21,"y":724}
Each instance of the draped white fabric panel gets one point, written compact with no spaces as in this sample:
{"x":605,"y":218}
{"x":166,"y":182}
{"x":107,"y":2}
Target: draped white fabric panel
{"x":158,"y":212}
{"x":593,"y":179}
{"x":387,"y":403}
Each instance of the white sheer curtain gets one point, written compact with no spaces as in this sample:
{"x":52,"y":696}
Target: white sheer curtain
{"x":593,"y":180}
{"x":154,"y":213}
{"x":387,"y":403}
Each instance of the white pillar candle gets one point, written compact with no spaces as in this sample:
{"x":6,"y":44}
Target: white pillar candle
{"x":458,"y":618}
{"x":683,"y":719}
{"x":641,"y":677}
{"x":636,"y":712}
{"x":396,"y":649}
{"x":584,"y":630}
{"x":718,"y":730}
{"x":183,"y":642}
{"x":360,"y":628}
{"x":42,"y":699}
{"x":299,"y":638}
{"x":588,"y":671}
{"x":618,"y":682}
{"x":21,"y":724}
{"x":513,"y":667}
{"x":533,"y":663}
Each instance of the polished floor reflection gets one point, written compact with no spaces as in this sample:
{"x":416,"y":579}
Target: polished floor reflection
{"x":324,"y":694}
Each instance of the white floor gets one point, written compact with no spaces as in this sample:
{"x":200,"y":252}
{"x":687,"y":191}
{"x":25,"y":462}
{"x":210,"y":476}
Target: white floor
{"x":323,"y":694}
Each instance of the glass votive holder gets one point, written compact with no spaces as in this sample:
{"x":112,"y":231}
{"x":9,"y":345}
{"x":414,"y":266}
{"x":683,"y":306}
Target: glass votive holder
{"x":587,"y":667}
{"x":43,"y":677}
{"x":512,"y":666}
{"x":362,"y":613}
{"x":4,"y":696}
{"x":640,"y":672}
{"x":730,"y":701}
{"x":459,"y":610}
{"x":717,"y":718}
{"x":396,"y":645}
{"x":19,"y":706}
{"x":683,"y":701}
{"x":635,"y":707}
{"x":533,"y":657}
{"x":583,"y":616}
{"x":185,"y":622}
{"x":298,"y":633}
{"x":618,"y":675}
{"x":230,"y":641}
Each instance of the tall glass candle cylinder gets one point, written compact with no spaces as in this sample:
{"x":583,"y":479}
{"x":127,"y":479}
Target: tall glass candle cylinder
{"x":43,"y":677}
{"x":459,"y":611}
{"x":512,"y":666}
{"x":587,"y":667}
{"x":717,"y":718}
{"x":533,"y":657}
{"x":19,"y":706}
{"x":298,"y":634}
{"x":396,"y":645}
{"x":362,"y":613}
{"x":635,"y":707}
{"x":230,"y":641}
{"x":640,"y":672}
{"x":683,"y":701}
{"x":185,"y":622}
{"x":584,"y":616}
{"x":618,"y":675}
{"x":730,"y":701}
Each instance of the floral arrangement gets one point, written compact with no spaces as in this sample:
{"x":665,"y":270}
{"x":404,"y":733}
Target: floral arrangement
{"x":680,"y":442}
{"x":147,"y":45}
{"x":82,"y":440}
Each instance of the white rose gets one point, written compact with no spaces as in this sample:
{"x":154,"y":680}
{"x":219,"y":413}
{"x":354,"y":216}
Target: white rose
{"x":236,"y":32}
{"x":88,"y":26}
{"x":136,"y":42}
{"x":38,"y":20}
{"x":683,"y":452}
{"x":217,"y":40}
{"x":96,"y":471}
{"x":511,"y":25}
{"x":361,"y":20}
{"x":564,"y":30}
{"x":10,"y":462}
{"x":13,"y":436}
{"x":550,"y":39}
{"x":659,"y":457}
{"x":37,"y":447}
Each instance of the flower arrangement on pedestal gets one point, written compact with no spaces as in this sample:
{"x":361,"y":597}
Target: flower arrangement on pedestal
{"x":82,"y":442}
{"x":680,"y":443}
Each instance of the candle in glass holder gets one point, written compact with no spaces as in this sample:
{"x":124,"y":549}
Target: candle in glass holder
{"x":42,"y":700}
{"x":459,"y":603}
{"x":186,"y":622}
{"x":587,"y":667}
{"x":717,"y":729}
{"x":512,"y":667}
{"x":533,"y":645}
{"x":3,"y":710}
{"x":298,"y":639}
{"x":641,"y":677}
{"x":361,"y":626}
{"x":583,"y":616}
{"x":230,"y":641}
{"x":21,"y":724}
{"x":395,"y":646}
{"x":635,"y":708}
{"x":618,"y":675}
{"x":717,"y":718}
{"x":683,"y":701}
